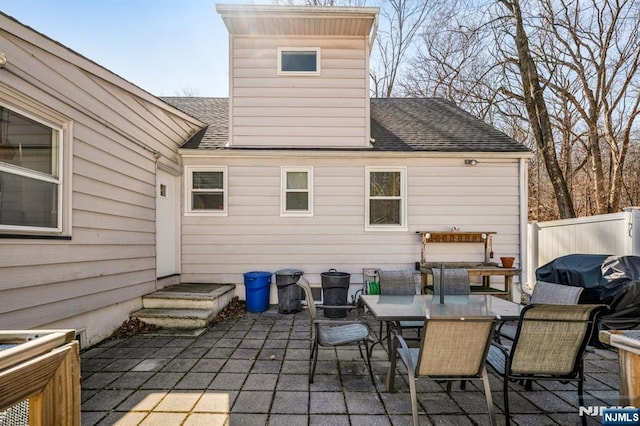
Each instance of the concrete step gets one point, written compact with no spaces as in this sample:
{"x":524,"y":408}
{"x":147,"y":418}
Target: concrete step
{"x":185,"y":306}
{"x":176,"y":318}
{"x":191,"y":296}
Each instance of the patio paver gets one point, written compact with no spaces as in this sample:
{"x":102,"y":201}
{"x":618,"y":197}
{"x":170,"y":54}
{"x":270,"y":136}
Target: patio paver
{"x":254,"y":371}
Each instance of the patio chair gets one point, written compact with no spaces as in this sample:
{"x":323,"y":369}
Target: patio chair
{"x":397,"y":283}
{"x":452,"y":348}
{"x":550,"y":344}
{"x":543,"y":292}
{"x":454,"y":280}
{"x":335,"y":332}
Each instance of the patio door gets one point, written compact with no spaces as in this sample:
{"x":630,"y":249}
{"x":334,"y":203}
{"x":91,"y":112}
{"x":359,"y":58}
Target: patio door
{"x":167,"y":224}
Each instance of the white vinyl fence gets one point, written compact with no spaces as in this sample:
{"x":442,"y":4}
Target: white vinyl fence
{"x":614,"y":234}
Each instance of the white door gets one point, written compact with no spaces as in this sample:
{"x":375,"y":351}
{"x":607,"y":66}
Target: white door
{"x":167,"y":224}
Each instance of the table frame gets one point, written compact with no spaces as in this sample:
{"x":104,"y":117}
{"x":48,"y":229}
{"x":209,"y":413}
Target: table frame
{"x":505,"y":310}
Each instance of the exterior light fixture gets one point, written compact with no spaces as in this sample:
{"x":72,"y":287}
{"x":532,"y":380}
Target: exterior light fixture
{"x":471,"y":162}
{"x":3,"y":60}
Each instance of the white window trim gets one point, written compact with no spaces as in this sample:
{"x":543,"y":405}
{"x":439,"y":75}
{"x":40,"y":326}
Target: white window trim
{"x":403,"y":226}
{"x":283,"y":192}
{"x":189,"y":186}
{"x":63,"y":193}
{"x":299,"y":49}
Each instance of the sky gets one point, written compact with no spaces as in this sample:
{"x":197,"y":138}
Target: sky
{"x":166,"y":47}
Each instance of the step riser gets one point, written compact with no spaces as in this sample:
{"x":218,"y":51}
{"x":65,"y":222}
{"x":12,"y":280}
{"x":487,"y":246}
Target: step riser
{"x":184,"y":309}
{"x":187,"y":323}
{"x":161,"y":303}
{"x":181,"y":301}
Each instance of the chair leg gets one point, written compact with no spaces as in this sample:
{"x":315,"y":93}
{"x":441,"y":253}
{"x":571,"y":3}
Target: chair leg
{"x":505,"y":396}
{"x":314,"y":354}
{"x":391,"y":374}
{"x":380,"y":339}
{"x":581,"y":393}
{"x":488,"y":397}
{"x":414,"y":400}
{"x":366,"y":351}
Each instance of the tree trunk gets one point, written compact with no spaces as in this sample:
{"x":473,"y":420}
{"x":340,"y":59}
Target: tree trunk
{"x":537,"y":112}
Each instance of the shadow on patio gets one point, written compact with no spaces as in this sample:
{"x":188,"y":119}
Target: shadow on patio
{"x":254,"y":371}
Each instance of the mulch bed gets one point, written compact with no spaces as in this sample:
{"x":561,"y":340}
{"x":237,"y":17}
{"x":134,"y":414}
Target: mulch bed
{"x":134,"y":326}
{"x":234,"y":310}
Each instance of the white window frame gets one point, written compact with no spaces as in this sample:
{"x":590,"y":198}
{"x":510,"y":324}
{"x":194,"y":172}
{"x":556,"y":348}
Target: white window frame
{"x":283,"y":192}
{"x":63,"y":221}
{"x":403,"y":199}
{"x":189,"y":170}
{"x":299,"y":49}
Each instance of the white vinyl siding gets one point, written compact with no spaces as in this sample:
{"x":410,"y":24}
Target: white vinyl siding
{"x":298,"y":61}
{"x":442,"y":193}
{"x":206,"y":190}
{"x":31,"y":174}
{"x":386,"y":198}
{"x":114,"y":136}
{"x":297,"y":191}
{"x":293,"y":110}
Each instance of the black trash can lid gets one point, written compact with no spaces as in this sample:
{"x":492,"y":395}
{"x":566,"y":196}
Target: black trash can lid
{"x":291,"y":272}
{"x":334,"y":273}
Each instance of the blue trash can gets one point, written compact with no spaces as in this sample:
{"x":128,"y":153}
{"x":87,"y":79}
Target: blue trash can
{"x":257,"y":285}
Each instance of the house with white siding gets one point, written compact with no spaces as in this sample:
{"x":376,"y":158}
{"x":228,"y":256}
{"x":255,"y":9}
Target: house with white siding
{"x":84,"y":159}
{"x":299,"y":168}
{"x":108,"y":193}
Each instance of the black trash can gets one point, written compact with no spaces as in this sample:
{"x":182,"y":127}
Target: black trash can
{"x":335,"y":287}
{"x":289,"y":294}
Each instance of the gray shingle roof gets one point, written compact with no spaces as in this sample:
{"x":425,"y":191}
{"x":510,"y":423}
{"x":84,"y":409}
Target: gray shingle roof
{"x":397,"y":124}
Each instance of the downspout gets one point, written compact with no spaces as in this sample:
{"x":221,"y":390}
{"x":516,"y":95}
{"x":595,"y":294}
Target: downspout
{"x":370,"y":141}
{"x":524,"y":208}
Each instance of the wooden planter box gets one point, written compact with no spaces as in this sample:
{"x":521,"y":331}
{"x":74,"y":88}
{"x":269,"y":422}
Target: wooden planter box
{"x":40,"y":372}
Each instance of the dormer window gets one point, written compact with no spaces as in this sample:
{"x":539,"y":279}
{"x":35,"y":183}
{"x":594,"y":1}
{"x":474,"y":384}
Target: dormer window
{"x":301,"y":61}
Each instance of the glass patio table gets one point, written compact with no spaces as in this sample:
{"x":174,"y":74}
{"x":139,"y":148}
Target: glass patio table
{"x":421,"y":307}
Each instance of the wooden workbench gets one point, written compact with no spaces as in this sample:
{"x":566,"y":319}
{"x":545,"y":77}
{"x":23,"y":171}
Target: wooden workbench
{"x":485,"y":268}
{"x":486,"y":272}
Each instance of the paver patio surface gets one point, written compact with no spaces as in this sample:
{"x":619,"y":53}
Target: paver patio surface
{"x":254,"y":371}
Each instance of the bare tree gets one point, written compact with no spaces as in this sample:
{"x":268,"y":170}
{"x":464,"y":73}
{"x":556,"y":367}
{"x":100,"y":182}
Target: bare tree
{"x":187,"y":91}
{"x":558,"y":75}
{"x":591,"y":57}
{"x":533,"y":98}
{"x":400,"y":22}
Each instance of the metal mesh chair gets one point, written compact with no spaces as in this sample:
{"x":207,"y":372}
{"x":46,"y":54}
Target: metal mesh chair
{"x":547,"y":293}
{"x":454,"y":280}
{"x":451,"y":348}
{"x":335,"y":332}
{"x":550,"y":344}
{"x":396,"y":283}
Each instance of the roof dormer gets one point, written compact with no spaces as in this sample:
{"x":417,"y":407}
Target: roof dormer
{"x":299,"y":75}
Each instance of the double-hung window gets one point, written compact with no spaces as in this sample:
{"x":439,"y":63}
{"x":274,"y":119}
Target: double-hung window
{"x":299,"y":61}
{"x":206,"y":190}
{"x":386,"y":198}
{"x":30,"y":174}
{"x":297,"y":191}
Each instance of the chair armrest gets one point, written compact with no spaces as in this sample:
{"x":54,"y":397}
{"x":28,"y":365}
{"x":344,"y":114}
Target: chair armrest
{"x":404,"y":353}
{"x":341,"y":322}
{"x":349,"y":308}
{"x":505,"y":349}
